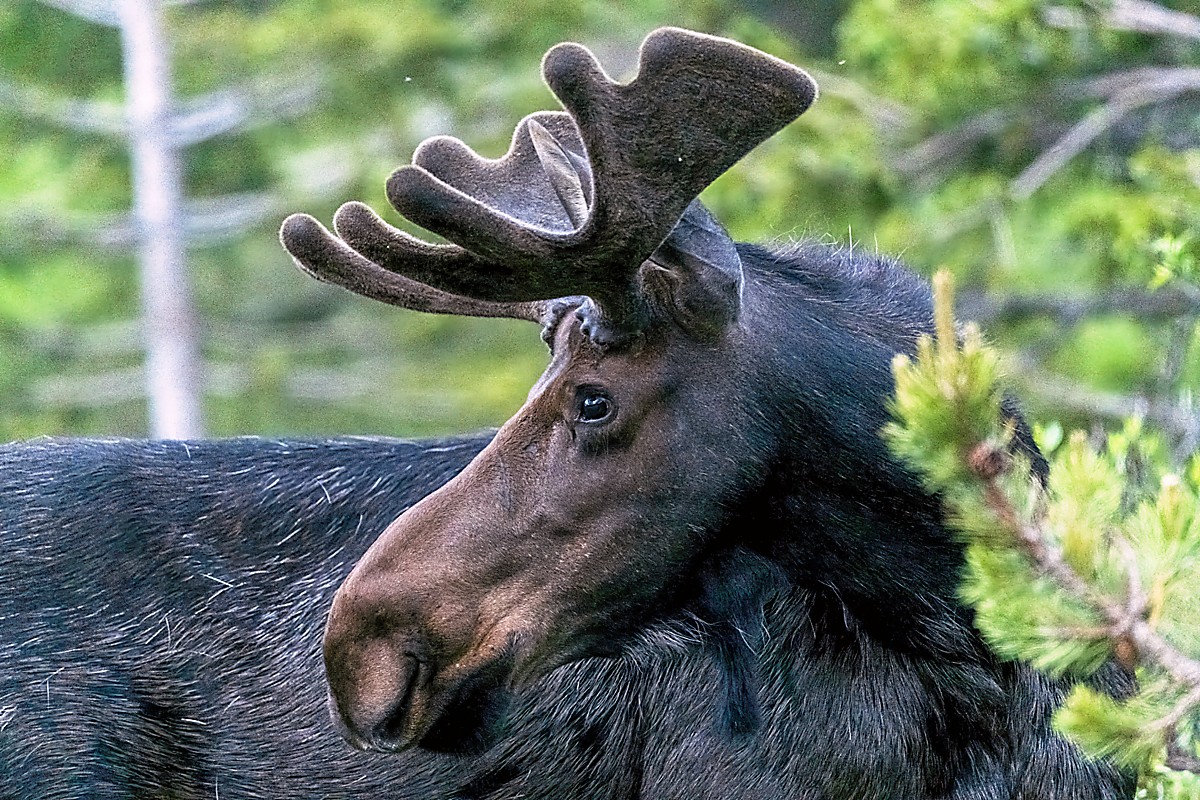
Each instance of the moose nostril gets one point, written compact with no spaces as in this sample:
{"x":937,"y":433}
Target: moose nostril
{"x":372,"y":703}
{"x":389,"y":731}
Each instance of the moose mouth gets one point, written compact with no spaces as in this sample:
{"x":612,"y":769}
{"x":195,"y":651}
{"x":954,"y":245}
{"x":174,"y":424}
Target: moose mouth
{"x":473,"y":714}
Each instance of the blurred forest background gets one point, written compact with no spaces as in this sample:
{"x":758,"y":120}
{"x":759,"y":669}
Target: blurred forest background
{"x":1048,"y":153}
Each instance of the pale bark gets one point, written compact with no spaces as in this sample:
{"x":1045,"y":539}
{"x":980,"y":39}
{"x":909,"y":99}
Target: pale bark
{"x":171,"y":331}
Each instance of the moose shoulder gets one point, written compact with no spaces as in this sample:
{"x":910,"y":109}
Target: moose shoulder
{"x":686,"y":568}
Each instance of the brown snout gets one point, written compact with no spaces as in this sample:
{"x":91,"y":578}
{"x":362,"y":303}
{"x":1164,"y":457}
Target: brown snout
{"x":413,"y":627}
{"x":376,"y":683}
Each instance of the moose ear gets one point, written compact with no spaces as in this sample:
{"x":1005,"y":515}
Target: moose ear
{"x":695,"y":275}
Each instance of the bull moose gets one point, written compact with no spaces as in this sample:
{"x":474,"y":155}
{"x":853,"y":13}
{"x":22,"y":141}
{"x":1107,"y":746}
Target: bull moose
{"x":686,"y":568}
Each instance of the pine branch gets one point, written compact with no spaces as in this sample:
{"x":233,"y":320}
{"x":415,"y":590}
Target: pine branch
{"x":1053,"y":578}
{"x":1131,"y":634}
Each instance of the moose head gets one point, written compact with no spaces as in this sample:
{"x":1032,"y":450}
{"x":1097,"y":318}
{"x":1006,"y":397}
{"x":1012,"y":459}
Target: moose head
{"x":595,"y":509}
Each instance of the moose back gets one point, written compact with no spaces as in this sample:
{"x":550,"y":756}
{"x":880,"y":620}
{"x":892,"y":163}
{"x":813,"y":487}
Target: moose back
{"x":686,"y":568}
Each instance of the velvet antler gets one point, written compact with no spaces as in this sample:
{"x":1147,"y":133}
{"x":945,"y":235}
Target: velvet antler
{"x":582,"y":198}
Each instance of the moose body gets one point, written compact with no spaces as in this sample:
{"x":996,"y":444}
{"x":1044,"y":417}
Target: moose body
{"x":162,"y":607}
{"x":686,"y":568}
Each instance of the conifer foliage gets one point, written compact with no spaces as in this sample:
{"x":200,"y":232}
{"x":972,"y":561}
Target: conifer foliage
{"x":1088,"y":568}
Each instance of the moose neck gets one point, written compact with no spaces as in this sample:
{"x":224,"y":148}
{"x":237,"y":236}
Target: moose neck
{"x":837,"y":513}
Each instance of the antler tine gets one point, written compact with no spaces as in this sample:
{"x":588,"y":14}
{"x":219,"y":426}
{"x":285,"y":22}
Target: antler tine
{"x":698,"y":104}
{"x":321,"y":254}
{"x":501,"y":259}
{"x":513,"y":184}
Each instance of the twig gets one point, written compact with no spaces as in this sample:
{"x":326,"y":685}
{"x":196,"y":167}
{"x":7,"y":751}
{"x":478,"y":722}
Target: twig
{"x":1178,"y":344}
{"x":1146,"y":17}
{"x":1177,"y":759}
{"x":1175,"y":418}
{"x":943,"y":148}
{"x":206,"y":222}
{"x":1139,"y":16}
{"x":888,"y":115}
{"x":1159,"y":85}
{"x":1171,"y":720}
{"x":1167,"y":304}
{"x":238,"y":109}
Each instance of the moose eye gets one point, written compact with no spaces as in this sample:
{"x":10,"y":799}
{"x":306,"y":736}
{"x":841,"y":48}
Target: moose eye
{"x":594,"y":406}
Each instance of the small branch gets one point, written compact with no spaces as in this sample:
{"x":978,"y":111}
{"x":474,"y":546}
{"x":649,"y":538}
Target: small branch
{"x":1048,"y":560}
{"x":1145,"y":17}
{"x":206,"y":222}
{"x":1167,"y":304}
{"x":105,"y":231}
{"x":1178,"y":759}
{"x":1102,"y":87}
{"x":359,"y":381}
{"x":101,"y":12}
{"x":1178,"y":304}
{"x":1159,"y":85}
{"x":1136,"y":603}
{"x":67,"y":112}
{"x":335,"y":385}
{"x":888,"y":115}
{"x":1176,"y":419}
{"x":1172,"y":720}
{"x":235,"y":110}
{"x":1138,"y":16}
{"x":128,"y":385}
{"x":199,"y":119}
{"x":1178,"y":344}
{"x":217,"y":219}
{"x":90,"y":391}
{"x":944,"y":148}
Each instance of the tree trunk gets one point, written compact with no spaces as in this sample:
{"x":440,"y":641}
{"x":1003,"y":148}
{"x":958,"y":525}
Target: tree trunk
{"x":169,"y":318}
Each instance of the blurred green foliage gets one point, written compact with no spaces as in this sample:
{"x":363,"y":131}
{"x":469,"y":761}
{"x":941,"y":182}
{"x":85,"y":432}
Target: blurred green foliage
{"x":930,"y":111}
